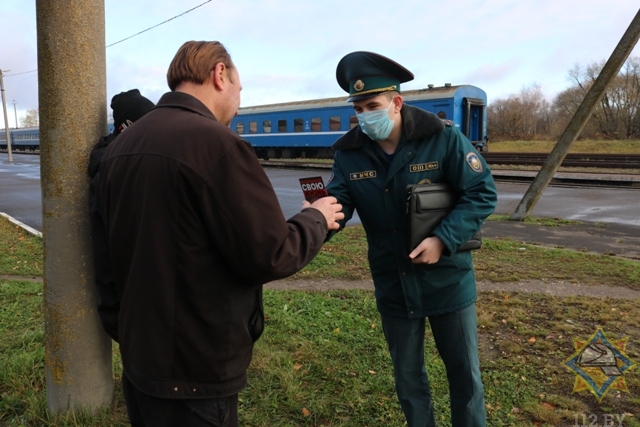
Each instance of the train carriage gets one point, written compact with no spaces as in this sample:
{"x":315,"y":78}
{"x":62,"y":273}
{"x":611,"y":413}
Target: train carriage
{"x":27,"y":139}
{"x":22,"y":139}
{"x":306,"y":129}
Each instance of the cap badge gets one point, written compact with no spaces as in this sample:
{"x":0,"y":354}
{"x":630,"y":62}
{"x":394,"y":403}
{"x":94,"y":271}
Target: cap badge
{"x":359,"y":85}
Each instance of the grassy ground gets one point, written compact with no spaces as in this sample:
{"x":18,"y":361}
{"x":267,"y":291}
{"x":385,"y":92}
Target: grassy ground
{"x":323,"y":361}
{"x":582,"y":146}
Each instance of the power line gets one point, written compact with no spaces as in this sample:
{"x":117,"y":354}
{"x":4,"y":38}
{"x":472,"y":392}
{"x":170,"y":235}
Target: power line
{"x":137,"y":34}
{"x":164,"y":22}
{"x":17,"y":74}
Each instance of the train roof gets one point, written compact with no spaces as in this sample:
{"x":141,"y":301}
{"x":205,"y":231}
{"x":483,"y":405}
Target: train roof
{"x":27,"y":129}
{"x":447,"y":91}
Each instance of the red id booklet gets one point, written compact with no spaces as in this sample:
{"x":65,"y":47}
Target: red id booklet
{"x":313,"y":188}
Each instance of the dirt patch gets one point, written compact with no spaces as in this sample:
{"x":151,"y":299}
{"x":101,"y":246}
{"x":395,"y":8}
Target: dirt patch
{"x":546,"y":287}
{"x":554,"y":288}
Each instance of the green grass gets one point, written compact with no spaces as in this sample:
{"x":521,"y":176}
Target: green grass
{"x":502,"y":260}
{"x":20,"y":252}
{"x":323,"y":360}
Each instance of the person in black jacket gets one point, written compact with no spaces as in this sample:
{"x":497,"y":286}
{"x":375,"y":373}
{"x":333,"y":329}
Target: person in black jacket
{"x":189,"y":228}
{"x":127,"y":108}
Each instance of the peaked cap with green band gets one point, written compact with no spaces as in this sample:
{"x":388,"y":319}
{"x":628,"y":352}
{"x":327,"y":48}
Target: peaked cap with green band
{"x":367,"y":74}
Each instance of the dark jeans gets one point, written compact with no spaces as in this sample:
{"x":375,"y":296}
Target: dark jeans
{"x":149,"y":411}
{"x":456,"y":339}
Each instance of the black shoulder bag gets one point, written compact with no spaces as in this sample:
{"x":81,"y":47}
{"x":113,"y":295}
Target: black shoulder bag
{"x":426,"y":206}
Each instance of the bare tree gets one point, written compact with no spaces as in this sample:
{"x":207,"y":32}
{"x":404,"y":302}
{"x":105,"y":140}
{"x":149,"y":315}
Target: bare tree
{"x":31,"y":119}
{"x":503,"y":118}
{"x":617,"y":116}
{"x":526,"y":115}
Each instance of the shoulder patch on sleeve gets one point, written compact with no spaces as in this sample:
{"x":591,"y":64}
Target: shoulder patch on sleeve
{"x":474,"y":162}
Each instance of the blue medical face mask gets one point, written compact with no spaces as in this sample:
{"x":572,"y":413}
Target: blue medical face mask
{"x":376,"y":124}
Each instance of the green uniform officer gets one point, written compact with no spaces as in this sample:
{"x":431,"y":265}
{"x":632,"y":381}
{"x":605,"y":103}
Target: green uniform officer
{"x":396,"y":145}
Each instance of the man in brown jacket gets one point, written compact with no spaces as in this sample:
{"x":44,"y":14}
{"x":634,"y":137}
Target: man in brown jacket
{"x":193,"y":229}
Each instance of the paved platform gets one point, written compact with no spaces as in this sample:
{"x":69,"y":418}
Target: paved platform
{"x":602,"y":238}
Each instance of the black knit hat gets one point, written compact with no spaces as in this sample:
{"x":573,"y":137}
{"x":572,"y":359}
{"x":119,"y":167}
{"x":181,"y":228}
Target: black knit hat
{"x":128,"y":107}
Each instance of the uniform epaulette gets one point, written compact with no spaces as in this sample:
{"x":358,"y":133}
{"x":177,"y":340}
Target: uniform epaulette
{"x":447,"y":122}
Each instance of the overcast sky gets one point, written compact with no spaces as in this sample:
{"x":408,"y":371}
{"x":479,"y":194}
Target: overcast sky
{"x":287,"y":50}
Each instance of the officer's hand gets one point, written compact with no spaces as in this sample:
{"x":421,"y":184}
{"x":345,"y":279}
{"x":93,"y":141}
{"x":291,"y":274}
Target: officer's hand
{"x":330,"y":208}
{"x":428,"y":251}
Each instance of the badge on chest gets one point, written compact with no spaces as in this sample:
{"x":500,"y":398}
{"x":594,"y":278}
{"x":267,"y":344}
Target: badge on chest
{"x":355,"y":176}
{"x":423,"y":167}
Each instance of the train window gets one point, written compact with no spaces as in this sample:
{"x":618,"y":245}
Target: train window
{"x":253,"y":127}
{"x":298,"y":125}
{"x":316,"y":124}
{"x":353,"y":122}
{"x":266,"y":126}
{"x":282,"y":125}
{"x":240,"y":128}
{"x":334,"y":123}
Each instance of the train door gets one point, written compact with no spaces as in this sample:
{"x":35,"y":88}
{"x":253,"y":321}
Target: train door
{"x":473,"y":121}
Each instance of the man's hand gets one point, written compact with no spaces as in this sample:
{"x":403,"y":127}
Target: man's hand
{"x":330,"y":208}
{"x":428,"y":251}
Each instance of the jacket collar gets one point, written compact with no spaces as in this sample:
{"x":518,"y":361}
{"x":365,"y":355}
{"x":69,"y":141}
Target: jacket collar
{"x":417,"y":125}
{"x":186,"y":102}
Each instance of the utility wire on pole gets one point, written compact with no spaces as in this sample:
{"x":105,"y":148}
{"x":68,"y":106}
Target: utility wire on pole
{"x":6,"y":121}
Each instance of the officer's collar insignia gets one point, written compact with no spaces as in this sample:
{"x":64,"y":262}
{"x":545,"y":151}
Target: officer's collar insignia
{"x":474,"y":162}
{"x":359,"y":85}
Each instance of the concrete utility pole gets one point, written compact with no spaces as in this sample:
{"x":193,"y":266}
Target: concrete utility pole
{"x":72,"y":100}
{"x":15,"y":113}
{"x":6,"y":121}
{"x":575,"y":126}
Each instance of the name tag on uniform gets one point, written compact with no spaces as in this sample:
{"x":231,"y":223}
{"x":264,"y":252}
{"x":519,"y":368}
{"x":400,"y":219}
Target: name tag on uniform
{"x":421,"y":167}
{"x":362,"y":175}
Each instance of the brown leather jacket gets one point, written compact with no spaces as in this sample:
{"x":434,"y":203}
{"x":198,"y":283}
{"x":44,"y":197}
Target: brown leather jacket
{"x":187,"y":228}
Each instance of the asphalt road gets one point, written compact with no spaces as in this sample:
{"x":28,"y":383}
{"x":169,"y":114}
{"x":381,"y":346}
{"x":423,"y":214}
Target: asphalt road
{"x":20,"y":196}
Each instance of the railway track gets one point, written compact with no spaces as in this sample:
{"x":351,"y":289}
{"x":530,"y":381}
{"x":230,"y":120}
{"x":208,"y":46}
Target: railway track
{"x":604,"y":161}
{"x":567,"y":179}
{"x":587,"y":160}
{"x":560,"y":179}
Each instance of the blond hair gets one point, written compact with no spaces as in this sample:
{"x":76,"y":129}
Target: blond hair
{"x":194,"y":61}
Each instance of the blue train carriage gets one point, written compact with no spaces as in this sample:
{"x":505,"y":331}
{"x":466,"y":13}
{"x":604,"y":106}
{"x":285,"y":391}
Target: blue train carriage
{"x":27,"y":139}
{"x":464,"y":105}
{"x":306,"y":129}
{"x":22,"y":139}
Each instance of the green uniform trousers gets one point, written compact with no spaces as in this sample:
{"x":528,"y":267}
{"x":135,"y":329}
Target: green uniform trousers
{"x":456,"y":339}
